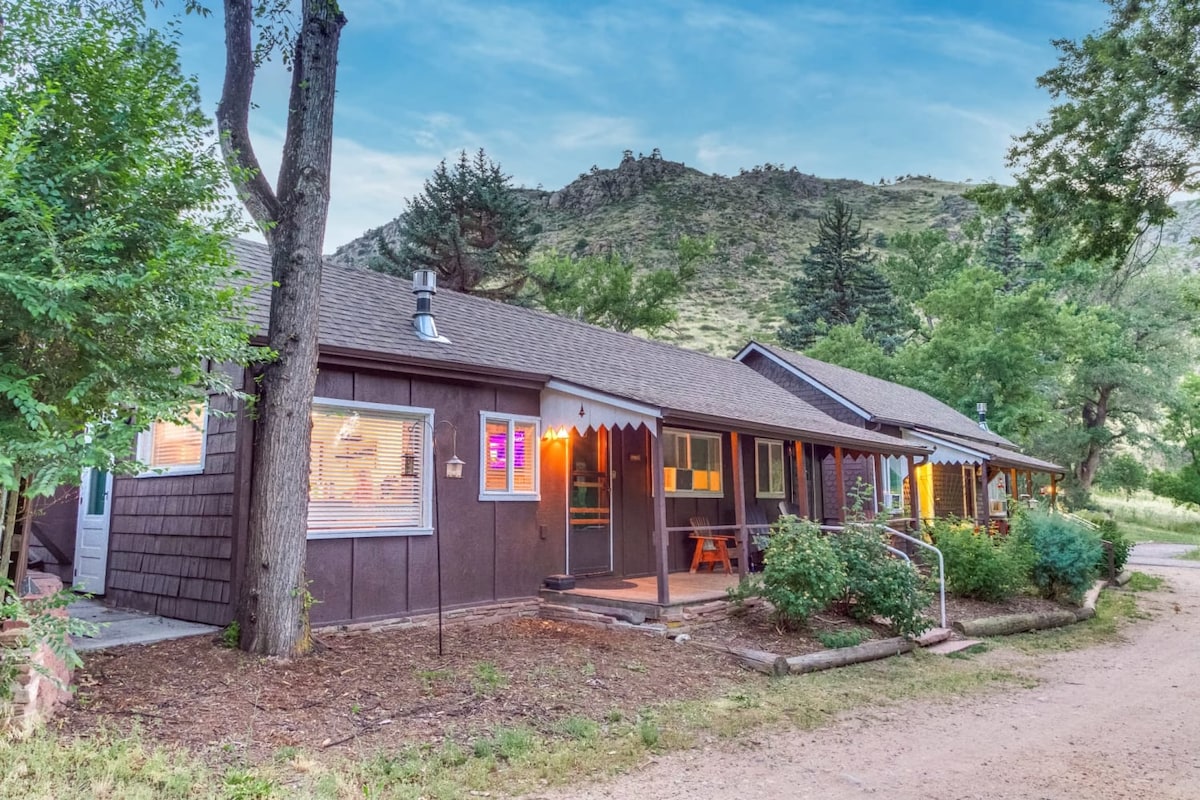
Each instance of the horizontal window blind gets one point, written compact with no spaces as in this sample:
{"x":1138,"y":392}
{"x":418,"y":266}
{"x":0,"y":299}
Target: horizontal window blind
{"x":510,"y":456}
{"x":180,"y":445}
{"x":769,"y":468}
{"x":692,"y":463}
{"x":366,"y":470}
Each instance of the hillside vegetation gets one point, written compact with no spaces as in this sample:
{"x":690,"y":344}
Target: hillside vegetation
{"x":761,"y":222}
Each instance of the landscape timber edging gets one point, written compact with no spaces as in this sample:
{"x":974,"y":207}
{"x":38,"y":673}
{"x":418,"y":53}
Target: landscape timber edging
{"x":1008,"y":624}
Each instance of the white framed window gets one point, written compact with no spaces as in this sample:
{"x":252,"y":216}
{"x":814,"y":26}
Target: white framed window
{"x":895,"y":469}
{"x":768,"y":469}
{"x":692,"y":464}
{"x":508,"y":463}
{"x":370,"y":470}
{"x":167,"y":448}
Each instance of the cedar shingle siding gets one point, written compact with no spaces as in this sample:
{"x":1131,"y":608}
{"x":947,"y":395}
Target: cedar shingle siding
{"x":171,"y":539}
{"x":805,"y":391}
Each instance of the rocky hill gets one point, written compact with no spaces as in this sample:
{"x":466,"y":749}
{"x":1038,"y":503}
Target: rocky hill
{"x":761,"y":221}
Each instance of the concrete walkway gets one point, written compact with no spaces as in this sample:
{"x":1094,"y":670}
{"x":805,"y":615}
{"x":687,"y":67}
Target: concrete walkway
{"x":1156,"y":554}
{"x":120,"y":626}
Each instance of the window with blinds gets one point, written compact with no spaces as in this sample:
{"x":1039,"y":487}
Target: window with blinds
{"x":369,"y":470}
{"x":692,"y":463}
{"x":169,"y":448}
{"x":768,"y":468}
{"x":509,"y":461}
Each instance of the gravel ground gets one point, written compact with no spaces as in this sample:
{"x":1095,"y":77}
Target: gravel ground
{"x":1114,"y":722}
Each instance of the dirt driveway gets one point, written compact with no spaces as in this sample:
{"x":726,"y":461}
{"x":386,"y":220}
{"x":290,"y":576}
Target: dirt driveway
{"x":1110,"y":722}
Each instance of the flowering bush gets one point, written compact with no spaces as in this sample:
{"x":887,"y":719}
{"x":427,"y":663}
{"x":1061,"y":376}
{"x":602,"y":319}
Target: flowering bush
{"x":801,"y":572}
{"x":978,"y":565}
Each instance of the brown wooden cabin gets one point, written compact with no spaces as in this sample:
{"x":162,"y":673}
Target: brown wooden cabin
{"x":971,"y":473}
{"x":586,"y":453}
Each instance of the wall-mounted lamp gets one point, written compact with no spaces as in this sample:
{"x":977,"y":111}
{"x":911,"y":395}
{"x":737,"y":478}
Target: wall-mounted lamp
{"x":454,"y":467}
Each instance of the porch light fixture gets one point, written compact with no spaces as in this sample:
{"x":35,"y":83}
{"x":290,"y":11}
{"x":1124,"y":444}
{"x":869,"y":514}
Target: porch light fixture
{"x":454,"y":467}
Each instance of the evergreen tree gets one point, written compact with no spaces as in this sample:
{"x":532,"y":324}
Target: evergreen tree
{"x":839,"y":284}
{"x":1002,"y":250}
{"x":469,"y":226}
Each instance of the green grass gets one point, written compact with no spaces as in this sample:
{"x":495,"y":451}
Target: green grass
{"x":1146,"y":518}
{"x":1113,"y":610}
{"x":1141,"y":582}
{"x":1190,"y":555}
{"x":504,"y":761}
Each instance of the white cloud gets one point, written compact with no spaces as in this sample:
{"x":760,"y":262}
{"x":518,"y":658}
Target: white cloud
{"x":714,"y":154}
{"x":582,"y":131}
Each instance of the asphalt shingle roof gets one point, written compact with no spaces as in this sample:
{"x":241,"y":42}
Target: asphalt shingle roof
{"x":371,"y":312}
{"x":908,"y":407}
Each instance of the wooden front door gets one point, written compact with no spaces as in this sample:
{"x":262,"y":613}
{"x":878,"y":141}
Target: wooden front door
{"x":91,"y":531}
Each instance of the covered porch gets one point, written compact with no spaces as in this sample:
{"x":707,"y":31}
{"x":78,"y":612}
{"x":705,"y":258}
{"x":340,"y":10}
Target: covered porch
{"x":636,"y":492}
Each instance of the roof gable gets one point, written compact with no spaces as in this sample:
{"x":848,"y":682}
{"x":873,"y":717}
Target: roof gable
{"x":883,"y":401}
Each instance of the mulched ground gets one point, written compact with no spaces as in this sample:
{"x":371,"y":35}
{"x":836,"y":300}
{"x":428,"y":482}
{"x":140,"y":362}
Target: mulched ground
{"x":961,"y":608}
{"x":387,"y":689}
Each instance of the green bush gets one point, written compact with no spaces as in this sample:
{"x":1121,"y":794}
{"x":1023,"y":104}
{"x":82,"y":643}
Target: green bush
{"x":877,"y":584}
{"x":991,"y":568}
{"x":1121,"y":544}
{"x":801,"y":572}
{"x":1065,"y":555}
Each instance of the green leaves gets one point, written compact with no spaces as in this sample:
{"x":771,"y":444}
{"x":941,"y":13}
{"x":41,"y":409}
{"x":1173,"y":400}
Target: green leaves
{"x":114,"y":280}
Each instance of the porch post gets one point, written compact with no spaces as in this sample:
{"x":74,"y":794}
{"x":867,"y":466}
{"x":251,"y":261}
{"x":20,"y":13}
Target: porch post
{"x":739,"y":505}
{"x":1054,"y":491}
{"x":985,"y":511}
{"x":660,"y":516}
{"x":801,"y":482}
{"x":841,"y":483}
{"x":1029,"y":483}
{"x":1012,"y":485}
{"x":879,"y":478}
{"x":914,"y":493}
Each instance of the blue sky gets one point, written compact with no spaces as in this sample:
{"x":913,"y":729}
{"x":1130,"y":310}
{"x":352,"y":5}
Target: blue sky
{"x":839,"y":88}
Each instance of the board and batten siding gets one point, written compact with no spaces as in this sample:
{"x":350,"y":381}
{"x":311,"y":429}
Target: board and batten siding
{"x":805,"y":391}
{"x":171,"y":540}
{"x":491,"y":551}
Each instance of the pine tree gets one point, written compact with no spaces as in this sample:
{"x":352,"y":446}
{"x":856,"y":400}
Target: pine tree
{"x":839,"y":284}
{"x":468,"y":225}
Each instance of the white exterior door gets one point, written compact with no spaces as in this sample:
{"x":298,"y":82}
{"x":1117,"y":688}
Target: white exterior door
{"x":91,"y":531}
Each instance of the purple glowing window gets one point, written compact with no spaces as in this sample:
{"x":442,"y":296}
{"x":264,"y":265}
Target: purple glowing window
{"x":497,"y":448}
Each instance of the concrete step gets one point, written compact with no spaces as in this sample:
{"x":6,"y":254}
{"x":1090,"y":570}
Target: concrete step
{"x":953,"y":646}
{"x":933,"y":636}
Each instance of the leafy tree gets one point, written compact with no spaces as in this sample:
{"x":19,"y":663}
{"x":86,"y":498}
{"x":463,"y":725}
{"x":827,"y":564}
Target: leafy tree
{"x":1122,"y":138}
{"x":917,"y":261}
{"x":1183,"y":426}
{"x":1121,"y":472}
{"x":112,"y":232}
{"x":292,"y":216}
{"x":839,"y":284}
{"x":609,"y":291}
{"x":848,"y":346}
{"x":470,"y":226}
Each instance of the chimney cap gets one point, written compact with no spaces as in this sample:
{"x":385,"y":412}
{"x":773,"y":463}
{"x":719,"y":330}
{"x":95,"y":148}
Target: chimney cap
{"x":424,"y":280}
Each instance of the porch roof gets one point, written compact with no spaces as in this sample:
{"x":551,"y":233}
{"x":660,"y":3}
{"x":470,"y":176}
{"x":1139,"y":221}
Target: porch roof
{"x":1004,"y":457}
{"x":368,"y":314}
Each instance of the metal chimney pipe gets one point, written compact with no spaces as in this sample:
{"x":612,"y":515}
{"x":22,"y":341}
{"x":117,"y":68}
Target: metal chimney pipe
{"x":424,"y":286}
{"x":981,"y":410}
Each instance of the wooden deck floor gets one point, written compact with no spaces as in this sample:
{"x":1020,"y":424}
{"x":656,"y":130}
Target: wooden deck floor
{"x":686,"y":588}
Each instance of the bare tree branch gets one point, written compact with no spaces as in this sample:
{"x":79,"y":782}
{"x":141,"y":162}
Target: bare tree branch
{"x":233,"y":117}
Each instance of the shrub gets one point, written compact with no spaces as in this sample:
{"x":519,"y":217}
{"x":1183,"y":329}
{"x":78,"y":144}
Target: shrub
{"x":877,"y":584}
{"x":1121,"y":545}
{"x":1064,"y":555}
{"x":991,"y":568}
{"x":801,"y":572}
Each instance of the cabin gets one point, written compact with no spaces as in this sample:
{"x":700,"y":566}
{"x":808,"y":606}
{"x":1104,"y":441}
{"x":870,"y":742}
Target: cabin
{"x":971,"y":473}
{"x":465,"y":451}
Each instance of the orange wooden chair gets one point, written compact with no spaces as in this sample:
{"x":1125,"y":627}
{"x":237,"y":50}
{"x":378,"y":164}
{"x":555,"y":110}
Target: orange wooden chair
{"x":712,"y":547}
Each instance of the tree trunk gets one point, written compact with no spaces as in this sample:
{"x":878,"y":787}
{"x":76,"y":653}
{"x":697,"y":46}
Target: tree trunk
{"x":271,"y":608}
{"x":1095,"y":418}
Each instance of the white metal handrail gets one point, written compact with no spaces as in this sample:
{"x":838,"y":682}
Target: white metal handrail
{"x":919,"y":543}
